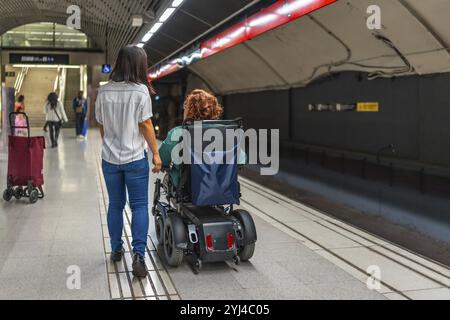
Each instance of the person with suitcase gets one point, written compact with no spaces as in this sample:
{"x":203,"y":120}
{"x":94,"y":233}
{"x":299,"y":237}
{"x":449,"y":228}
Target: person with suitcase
{"x":25,"y":177}
{"x":55,"y":117}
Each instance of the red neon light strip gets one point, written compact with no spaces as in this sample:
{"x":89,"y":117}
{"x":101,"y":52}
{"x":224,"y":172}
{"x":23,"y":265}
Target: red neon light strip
{"x":278,"y":14}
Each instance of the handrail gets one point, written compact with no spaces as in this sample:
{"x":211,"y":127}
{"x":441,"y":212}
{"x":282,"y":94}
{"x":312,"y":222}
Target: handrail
{"x":62,"y":84}
{"x":56,"y":84}
{"x":20,"y":79}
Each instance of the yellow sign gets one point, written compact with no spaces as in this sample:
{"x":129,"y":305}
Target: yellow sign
{"x":368,"y":107}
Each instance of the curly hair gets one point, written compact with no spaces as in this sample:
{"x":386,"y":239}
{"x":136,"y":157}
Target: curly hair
{"x":201,"y":105}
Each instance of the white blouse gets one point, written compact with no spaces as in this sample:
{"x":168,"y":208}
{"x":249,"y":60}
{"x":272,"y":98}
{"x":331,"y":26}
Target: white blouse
{"x":55,"y":115}
{"x":120,"y":108}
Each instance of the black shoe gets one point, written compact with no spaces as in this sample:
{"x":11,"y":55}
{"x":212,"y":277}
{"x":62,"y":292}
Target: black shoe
{"x":117,"y":255}
{"x":139,"y":268}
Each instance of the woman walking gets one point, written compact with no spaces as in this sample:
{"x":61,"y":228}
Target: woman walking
{"x":124,"y":111}
{"x":55,"y":117}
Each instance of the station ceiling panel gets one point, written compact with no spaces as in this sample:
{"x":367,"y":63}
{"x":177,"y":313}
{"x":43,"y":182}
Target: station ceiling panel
{"x":107,"y":22}
{"x":194,"y":18}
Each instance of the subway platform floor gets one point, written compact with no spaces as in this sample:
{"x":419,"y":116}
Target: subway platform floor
{"x":301,"y":253}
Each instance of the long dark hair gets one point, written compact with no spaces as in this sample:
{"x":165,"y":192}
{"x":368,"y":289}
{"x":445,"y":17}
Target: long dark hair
{"x":131,"y":66}
{"x":53,"y":99}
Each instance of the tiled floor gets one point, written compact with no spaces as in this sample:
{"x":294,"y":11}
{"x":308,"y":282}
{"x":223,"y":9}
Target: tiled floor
{"x":402,"y":274}
{"x":300,"y":253}
{"x":40,"y":242}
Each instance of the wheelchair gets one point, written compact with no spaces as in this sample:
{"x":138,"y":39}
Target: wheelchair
{"x":198,"y":220}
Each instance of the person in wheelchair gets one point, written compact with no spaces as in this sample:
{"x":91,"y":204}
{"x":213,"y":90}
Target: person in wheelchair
{"x":199,"y":220}
{"x":198,"y":106}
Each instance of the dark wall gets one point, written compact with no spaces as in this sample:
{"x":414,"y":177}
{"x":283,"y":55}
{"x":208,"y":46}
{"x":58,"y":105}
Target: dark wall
{"x":414,"y":115}
{"x":434,"y":129}
{"x":366,"y":132}
{"x":262,"y":110}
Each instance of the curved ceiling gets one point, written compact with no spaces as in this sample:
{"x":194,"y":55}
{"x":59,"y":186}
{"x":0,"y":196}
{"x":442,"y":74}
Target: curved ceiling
{"x":414,"y":39}
{"x":97,"y":16}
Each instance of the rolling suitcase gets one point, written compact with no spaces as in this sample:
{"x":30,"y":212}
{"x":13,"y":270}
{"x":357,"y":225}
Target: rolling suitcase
{"x":25,"y":176}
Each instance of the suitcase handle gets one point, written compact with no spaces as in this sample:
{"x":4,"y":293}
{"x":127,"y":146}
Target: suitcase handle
{"x":12,"y":122}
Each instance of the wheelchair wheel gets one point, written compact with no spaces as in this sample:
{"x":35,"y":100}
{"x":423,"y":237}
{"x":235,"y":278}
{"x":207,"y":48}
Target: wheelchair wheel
{"x":8,"y":194}
{"x":19,"y":193}
{"x":246,"y":252}
{"x":159,"y":229}
{"x":174,"y":255}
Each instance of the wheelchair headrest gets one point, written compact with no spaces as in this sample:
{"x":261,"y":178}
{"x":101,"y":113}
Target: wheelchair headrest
{"x":223,"y":134}
{"x":239,"y":122}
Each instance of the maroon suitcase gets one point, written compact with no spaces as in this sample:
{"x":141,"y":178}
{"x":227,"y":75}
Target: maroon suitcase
{"x":25,"y":164}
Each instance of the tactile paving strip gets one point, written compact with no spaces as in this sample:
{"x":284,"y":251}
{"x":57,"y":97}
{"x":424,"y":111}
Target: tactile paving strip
{"x":123,"y":285}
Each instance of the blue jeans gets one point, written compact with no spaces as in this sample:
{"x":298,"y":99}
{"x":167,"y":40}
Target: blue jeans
{"x":79,"y":123}
{"x":134,"y":178}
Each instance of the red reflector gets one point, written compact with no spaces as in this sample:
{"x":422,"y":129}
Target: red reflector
{"x":209,"y":242}
{"x":230,"y":240}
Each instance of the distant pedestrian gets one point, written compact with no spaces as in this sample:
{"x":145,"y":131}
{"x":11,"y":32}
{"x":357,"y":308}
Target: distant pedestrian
{"x":20,"y":120}
{"x":55,"y":117}
{"x":80,"y":109}
{"x":20,"y":104}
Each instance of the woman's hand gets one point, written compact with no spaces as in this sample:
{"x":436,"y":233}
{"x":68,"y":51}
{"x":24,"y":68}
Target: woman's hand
{"x":148,"y":132}
{"x":157,"y":163}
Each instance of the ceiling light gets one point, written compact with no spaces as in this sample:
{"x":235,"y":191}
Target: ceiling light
{"x":294,"y":6}
{"x":156,"y":27}
{"x":166,"y":15}
{"x":46,"y":66}
{"x":263,"y":20}
{"x":140,"y":45}
{"x":176,"y":3}
{"x":168,"y":12}
{"x":147,"y":36}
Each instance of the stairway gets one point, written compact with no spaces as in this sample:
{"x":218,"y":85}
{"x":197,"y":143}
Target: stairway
{"x":38,"y":83}
{"x":72,"y":88}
